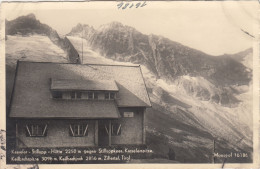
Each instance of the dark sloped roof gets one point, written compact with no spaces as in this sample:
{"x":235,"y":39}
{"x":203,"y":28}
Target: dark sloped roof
{"x":76,"y":84}
{"x":32,"y":97}
{"x":58,"y":108}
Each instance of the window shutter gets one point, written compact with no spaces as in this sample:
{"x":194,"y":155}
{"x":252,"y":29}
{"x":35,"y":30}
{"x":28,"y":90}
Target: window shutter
{"x":86,"y":131}
{"x":118,"y":130}
{"x":28,"y":132}
{"x":44,"y":133}
{"x":71,"y":133}
{"x":106,"y":129}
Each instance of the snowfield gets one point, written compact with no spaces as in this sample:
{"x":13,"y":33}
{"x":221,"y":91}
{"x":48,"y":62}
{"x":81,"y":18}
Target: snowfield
{"x":36,"y":48}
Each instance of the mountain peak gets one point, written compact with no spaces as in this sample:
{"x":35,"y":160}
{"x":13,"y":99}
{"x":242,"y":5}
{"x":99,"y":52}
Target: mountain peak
{"x":80,"y":28}
{"x":115,"y":23}
{"x":111,"y":25}
{"x":31,"y":16}
{"x":28,"y":24}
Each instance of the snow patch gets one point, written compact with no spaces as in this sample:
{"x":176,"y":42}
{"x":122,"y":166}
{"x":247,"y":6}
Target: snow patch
{"x":33,"y":48}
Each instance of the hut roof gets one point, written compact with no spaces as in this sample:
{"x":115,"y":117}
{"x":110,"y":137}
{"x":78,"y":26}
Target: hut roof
{"x":32,"y":89}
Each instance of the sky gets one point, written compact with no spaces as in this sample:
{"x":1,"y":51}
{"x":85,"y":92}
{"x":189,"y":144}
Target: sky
{"x":215,"y":28}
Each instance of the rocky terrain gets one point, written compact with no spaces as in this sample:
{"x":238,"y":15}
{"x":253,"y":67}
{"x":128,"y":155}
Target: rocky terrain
{"x":169,"y":60}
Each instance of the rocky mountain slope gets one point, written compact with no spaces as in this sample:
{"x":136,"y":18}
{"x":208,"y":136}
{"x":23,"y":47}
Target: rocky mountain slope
{"x":164,"y":57}
{"x":244,"y":57}
{"x":196,"y":98}
{"x":167,"y":59}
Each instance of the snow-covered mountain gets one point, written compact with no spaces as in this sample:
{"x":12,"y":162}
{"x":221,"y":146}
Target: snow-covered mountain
{"x":166,"y":59}
{"x":27,"y":26}
{"x":196,"y":98}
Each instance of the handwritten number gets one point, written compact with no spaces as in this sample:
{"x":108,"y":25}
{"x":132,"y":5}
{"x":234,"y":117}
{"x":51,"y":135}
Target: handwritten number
{"x":138,"y":4}
{"x":131,"y":5}
{"x":120,"y":5}
{"x":144,"y":4}
{"x":125,"y":5}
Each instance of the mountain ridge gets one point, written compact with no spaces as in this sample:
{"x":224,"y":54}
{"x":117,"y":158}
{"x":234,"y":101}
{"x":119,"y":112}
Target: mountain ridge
{"x":163,"y":56}
{"x":167,"y":59}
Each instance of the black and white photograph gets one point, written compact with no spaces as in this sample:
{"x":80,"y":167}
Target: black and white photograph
{"x":130,"y":82}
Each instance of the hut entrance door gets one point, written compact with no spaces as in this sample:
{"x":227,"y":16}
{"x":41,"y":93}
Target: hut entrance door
{"x":104,"y":132}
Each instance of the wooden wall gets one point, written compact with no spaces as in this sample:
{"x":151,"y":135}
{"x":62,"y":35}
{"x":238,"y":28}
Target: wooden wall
{"x":132,"y":132}
{"x":132,"y":127}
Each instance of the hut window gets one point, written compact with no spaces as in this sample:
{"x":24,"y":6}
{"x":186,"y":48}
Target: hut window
{"x":75,"y":95}
{"x":92,"y":95}
{"x":110,"y":95}
{"x":78,"y":95}
{"x":36,"y":130}
{"x":116,"y":129}
{"x":57,"y":95}
{"x":106,"y":95}
{"x":78,"y":130}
